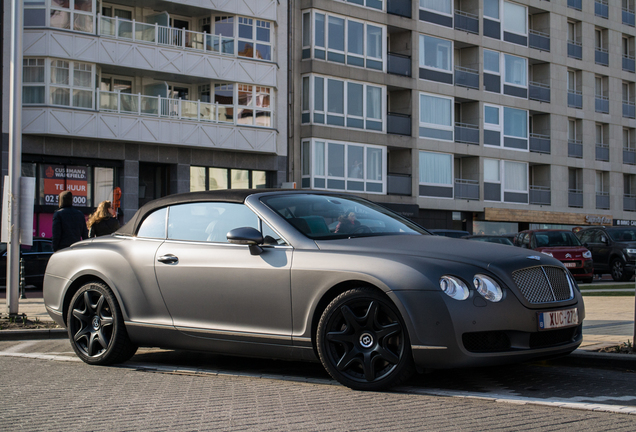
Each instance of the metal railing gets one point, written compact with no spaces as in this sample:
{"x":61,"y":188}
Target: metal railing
{"x":575,"y":148}
{"x":466,"y":189}
{"x":120,"y":28}
{"x":628,"y":17}
{"x":539,"y":91}
{"x":541,"y":195}
{"x":466,"y":21}
{"x":539,"y":143}
{"x":466,"y":133}
{"x":539,"y":40}
{"x":466,"y":77}
{"x":602,"y":152}
{"x":575,"y":198}
{"x":629,"y":156}
{"x":629,"y":202}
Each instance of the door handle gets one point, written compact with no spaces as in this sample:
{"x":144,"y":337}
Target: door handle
{"x":168,"y":259}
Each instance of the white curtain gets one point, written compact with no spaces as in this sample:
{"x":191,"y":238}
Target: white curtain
{"x":491,"y":170}
{"x":443,"y":6}
{"x":435,"y":110}
{"x":319,"y":158}
{"x":83,"y":98}
{"x":515,"y":122}
{"x":436,"y":168}
{"x":374,"y":164}
{"x":374,"y":103}
{"x":516,"y":70}
{"x":104,"y":184}
{"x":515,"y":18}
{"x":374,"y":41}
{"x":515,"y":176}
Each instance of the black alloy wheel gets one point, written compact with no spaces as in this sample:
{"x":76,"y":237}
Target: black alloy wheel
{"x":362,"y":341}
{"x":618,"y":271}
{"x":96,"y":326}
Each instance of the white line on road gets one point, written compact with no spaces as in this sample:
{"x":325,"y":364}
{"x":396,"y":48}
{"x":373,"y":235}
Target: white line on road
{"x":20,"y":347}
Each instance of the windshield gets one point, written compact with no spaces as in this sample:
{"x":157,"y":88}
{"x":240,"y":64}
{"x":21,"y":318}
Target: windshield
{"x":624,"y":234}
{"x":556,"y":239}
{"x":331,"y":217}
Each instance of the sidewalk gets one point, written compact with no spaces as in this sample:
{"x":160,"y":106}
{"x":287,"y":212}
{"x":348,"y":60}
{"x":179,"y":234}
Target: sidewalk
{"x":609,"y":320}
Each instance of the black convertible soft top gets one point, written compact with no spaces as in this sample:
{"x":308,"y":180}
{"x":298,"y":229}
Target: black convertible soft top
{"x":227,"y":195}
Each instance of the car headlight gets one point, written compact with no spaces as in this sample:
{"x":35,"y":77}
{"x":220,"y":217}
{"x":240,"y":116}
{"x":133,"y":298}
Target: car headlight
{"x":488,"y":288}
{"x":453,"y":287}
{"x":587,"y":254}
{"x":547,"y":253}
{"x":631,"y":251}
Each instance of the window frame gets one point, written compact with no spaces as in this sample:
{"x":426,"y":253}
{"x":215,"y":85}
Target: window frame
{"x":450,"y":128}
{"x":452,"y":172}
{"x":422,"y":56}
{"x":501,"y":127}
{"x":48,"y":7}
{"x":435,"y":11}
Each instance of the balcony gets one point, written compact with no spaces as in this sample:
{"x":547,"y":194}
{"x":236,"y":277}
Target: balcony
{"x":539,"y":143}
{"x":601,"y":9}
{"x":538,"y":91}
{"x":575,"y":198}
{"x":466,"y":133}
{"x":399,"y":64}
{"x":575,"y":149}
{"x":629,"y":64}
{"x":629,"y":202}
{"x":398,"y":124}
{"x":602,"y":152}
{"x":601,"y":104}
{"x":575,"y":99}
{"x":575,"y":50}
{"x":629,"y":110}
{"x":400,"y":8}
{"x":466,"y":189}
{"x":601,"y":56}
{"x":575,"y":4}
{"x":602,"y":200}
{"x":399,"y":184}
{"x":466,"y":77}
{"x":467,"y":22}
{"x":628,"y":17}
{"x":540,"y":195}
{"x":629,"y":156}
{"x":539,"y":40}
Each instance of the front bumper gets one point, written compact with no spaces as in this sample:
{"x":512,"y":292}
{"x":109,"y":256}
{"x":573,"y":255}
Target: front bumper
{"x":445,"y":333}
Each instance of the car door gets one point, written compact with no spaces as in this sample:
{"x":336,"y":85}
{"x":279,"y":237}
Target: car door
{"x":214,"y":287}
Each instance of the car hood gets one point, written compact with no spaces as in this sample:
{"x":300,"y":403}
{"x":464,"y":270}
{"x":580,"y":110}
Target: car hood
{"x":482,"y":254}
{"x":564,"y":252}
{"x":626,"y":244}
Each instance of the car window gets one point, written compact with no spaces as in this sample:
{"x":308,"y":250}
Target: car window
{"x":524,"y":240}
{"x":45,"y":246}
{"x":270,"y":237}
{"x":625,"y":234}
{"x":585,"y":236}
{"x":598,"y":236}
{"x":208,"y":221}
{"x":154,"y":226}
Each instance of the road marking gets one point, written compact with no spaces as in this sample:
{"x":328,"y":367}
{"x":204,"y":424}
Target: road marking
{"x":572,"y":403}
{"x":21,"y":346}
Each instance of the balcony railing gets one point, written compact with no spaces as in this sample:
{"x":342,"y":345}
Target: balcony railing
{"x":602,"y":200}
{"x":601,"y":56}
{"x":538,"y":91}
{"x":601,"y":104}
{"x":120,"y":28}
{"x":629,"y":17}
{"x":575,"y":198}
{"x":575,"y":149}
{"x":398,"y":124}
{"x":575,"y":4}
{"x":466,"y":21}
{"x":466,"y":189}
{"x":629,"y":156}
{"x":539,"y":143}
{"x":629,"y":202}
{"x":540,"y":195}
{"x":399,"y":184}
{"x":629,"y":64}
{"x":466,"y":77}
{"x":399,"y":7}
{"x":629,"y":109}
{"x":466,"y":133}
{"x":399,"y":64}
{"x":601,"y":9}
{"x":575,"y":49}
{"x":602,"y":152}
{"x":539,"y":40}
{"x":575,"y":99}
{"x":157,"y":106}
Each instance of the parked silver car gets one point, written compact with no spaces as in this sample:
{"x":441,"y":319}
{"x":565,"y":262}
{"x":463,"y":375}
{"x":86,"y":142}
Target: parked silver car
{"x":261,"y":273}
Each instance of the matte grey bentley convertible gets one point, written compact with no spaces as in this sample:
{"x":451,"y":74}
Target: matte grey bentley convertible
{"x":309,"y":275}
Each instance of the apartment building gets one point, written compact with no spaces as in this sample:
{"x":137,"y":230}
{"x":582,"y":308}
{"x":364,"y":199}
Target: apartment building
{"x":486,"y":115}
{"x":151,"y":97}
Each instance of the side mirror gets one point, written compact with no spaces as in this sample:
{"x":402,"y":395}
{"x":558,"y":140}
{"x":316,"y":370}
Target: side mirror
{"x":247,"y":236}
{"x":603,"y":239}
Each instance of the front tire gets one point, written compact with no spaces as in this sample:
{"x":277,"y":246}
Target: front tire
{"x":619,"y":273}
{"x":362,"y":341}
{"x":96,"y":326}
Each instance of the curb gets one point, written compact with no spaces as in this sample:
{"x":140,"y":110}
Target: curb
{"x":584,"y":358}
{"x":9,"y":335}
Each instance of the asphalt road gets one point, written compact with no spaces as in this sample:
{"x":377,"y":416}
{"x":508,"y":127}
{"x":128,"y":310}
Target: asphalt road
{"x":44,"y":386}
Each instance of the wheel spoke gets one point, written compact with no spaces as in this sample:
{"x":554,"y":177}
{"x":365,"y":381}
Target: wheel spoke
{"x":81,"y":333}
{"x":350,"y":318}
{"x":348,"y":358}
{"x":91,"y":344}
{"x":368,"y":366}
{"x":103,"y":340}
{"x":81,"y":315}
{"x":387,"y":355}
{"x":387,"y":330}
{"x":99,"y":306}
{"x":342,"y":337}
{"x":87,"y":302}
{"x":371,"y":317}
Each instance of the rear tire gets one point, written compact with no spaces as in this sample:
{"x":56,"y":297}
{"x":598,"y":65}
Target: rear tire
{"x":362,"y":341}
{"x":96,"y":326}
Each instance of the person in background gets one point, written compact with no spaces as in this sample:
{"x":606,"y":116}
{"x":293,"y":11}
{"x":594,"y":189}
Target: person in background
{"x":102,"y":221}
{"x":347,"y":223}
{"x":69,"y":224}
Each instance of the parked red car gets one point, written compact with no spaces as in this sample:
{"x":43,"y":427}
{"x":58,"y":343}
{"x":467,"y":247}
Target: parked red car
{"x":563,"y":245}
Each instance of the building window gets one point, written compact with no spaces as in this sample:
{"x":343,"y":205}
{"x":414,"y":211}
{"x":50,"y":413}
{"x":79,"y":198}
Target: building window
{"x":515,"y":18}
{"x":77,"y":15}
{"x":69,"y":83}
{"x":515,"y":70}
{"x":33,"y":82}
{"x":343,"y":103}
{"x":205,"y":178}
{"x":343,"y":40}
{"x":254,"y":106}
{"x":505,"y":181}
{"x":337,"y":165}
{"x":373,"y":4}
{"x":436,"y":117}
{"x":513,"y":122}
{"x":254,"y":38}
{"x":491,"y":62}
{"x":491,"y":9}
{"x":515,"y":74}
{"x":436,"y":174}
{"x":436,"y":53}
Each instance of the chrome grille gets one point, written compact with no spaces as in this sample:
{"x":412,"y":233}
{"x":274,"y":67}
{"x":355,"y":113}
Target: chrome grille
{"x":543,"y":284}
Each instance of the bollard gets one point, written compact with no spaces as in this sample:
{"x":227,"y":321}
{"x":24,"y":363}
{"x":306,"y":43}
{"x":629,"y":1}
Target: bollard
{"x":22,"y":293}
